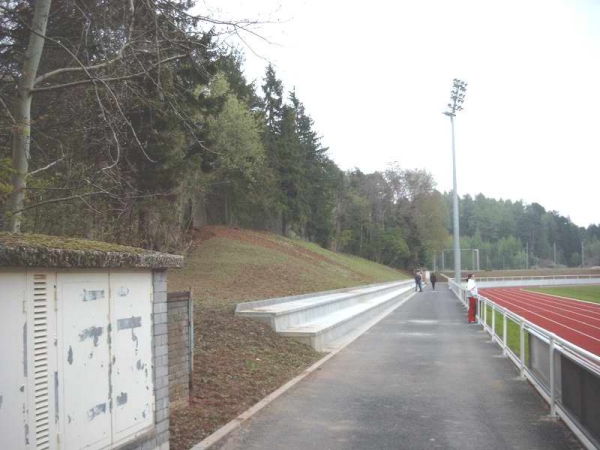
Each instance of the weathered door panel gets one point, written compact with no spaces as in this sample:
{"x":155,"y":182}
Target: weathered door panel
{"x":132,"y":371}
{"x":84,"y":348}
{"x":14,"y":427}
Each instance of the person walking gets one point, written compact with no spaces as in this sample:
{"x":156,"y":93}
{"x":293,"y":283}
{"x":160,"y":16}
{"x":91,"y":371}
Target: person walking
{"x":472,"y":291}
{"x":418,"y":278}
{"x":433,"y":279}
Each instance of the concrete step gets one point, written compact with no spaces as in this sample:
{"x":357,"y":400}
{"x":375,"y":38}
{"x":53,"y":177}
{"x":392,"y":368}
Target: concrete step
{"x":318,"y":319}
{"x":287,"y":312}
{"x":320,"y":332}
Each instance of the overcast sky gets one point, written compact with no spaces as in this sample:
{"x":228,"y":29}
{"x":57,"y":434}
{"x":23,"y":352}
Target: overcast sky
{"x":375,"y":77}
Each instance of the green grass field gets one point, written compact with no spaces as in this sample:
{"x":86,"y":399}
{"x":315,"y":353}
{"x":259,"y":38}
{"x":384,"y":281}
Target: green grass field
{"x":586,"y":293}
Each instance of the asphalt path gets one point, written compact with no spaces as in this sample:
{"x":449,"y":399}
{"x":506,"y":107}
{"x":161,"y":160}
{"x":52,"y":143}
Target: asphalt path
{"x":422,"y":378}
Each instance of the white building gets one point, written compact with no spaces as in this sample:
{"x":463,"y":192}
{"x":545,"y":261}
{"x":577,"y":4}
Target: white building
{"x":83,"y":345}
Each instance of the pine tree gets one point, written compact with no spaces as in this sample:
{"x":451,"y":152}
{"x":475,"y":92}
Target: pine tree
{"x":273,"y":111}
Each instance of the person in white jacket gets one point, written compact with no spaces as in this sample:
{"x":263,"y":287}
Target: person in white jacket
{"x":471,"y":285}
{"x":472,"y":289}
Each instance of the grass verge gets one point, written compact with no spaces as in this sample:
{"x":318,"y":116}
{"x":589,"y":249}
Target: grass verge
{"x":513,"y":331}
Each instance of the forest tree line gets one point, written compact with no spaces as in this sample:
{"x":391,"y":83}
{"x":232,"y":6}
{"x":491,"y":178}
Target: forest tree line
{"x":129,"y":122}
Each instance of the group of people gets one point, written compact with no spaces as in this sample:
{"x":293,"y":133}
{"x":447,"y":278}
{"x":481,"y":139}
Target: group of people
{"x":419,"y":280}
{"x":471,"y":289}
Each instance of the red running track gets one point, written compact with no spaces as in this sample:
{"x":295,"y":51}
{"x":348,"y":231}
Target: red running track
{"x":575,"y":321}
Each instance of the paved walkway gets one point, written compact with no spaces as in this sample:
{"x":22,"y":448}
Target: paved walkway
{"x":422,"y":378}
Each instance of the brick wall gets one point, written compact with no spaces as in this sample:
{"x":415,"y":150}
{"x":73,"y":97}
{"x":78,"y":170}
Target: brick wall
{"x":161,"y":359}
{"x":179,"y":350}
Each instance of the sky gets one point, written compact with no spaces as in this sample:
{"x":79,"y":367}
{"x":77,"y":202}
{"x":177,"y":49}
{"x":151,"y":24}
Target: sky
{"x":376,"y":77}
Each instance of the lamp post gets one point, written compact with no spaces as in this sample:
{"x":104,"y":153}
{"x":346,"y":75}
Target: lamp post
{"x":457,"y":97}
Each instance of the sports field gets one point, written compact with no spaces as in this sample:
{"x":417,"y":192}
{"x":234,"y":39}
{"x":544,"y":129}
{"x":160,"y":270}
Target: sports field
{"x":573,"y":320}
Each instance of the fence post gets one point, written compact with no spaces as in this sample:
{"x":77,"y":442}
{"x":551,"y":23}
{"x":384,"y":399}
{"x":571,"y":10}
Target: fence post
{"x":522,"y":349}
{"x":493,"y":321}
{"x":552,"y":389}
{"x":191,"y":337}
{"x":504,"y":333}
{"x":485,"y":314}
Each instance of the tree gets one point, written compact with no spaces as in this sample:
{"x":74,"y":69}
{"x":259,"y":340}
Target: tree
{"x":323,"y":177}
{"x":240,"y":168}
{"x":431,"y":218}
{"x":22,"y":115}
{"x":231,"y":65}
{"x":273,"y":111}
{"x":111,"y":55}
{"x":419,"y":211}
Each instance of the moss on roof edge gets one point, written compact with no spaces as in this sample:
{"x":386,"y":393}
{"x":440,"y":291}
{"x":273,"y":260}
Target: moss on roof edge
{"x":23,"y":250}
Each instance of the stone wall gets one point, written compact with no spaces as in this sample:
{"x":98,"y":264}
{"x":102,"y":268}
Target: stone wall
{"x":178,"y":312}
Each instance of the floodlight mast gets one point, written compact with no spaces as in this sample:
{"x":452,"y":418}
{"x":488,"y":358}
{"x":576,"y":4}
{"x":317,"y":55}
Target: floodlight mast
{"x":457,"y":97}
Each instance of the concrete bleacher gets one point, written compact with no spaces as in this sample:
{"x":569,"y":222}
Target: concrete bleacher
{"x":323,"y":318}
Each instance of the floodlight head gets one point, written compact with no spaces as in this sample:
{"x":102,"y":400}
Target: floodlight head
{"x":457,"y":97}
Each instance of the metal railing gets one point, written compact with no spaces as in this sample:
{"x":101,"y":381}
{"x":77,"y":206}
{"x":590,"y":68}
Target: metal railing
{"x":538,"y":280}
{"x":539,"y":277}
{"x":542,"y":357}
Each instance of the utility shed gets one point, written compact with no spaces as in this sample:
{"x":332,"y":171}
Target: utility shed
{"x":83,"y":345}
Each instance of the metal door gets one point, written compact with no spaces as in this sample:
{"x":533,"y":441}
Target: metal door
{"x":131,"y":349}
{"x":84,"y":348}
{"x":14,"y":427}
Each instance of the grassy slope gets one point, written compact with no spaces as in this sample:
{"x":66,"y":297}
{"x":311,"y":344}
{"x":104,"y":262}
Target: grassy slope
{"x":239,"y":361}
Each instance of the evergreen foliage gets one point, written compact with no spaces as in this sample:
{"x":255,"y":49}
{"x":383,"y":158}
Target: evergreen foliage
{"x":193,"y":142}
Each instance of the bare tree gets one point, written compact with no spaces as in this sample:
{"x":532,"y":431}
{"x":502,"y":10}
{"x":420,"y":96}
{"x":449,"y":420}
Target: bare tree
{"x":22,"y":118}
{"x":108,"y":55}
